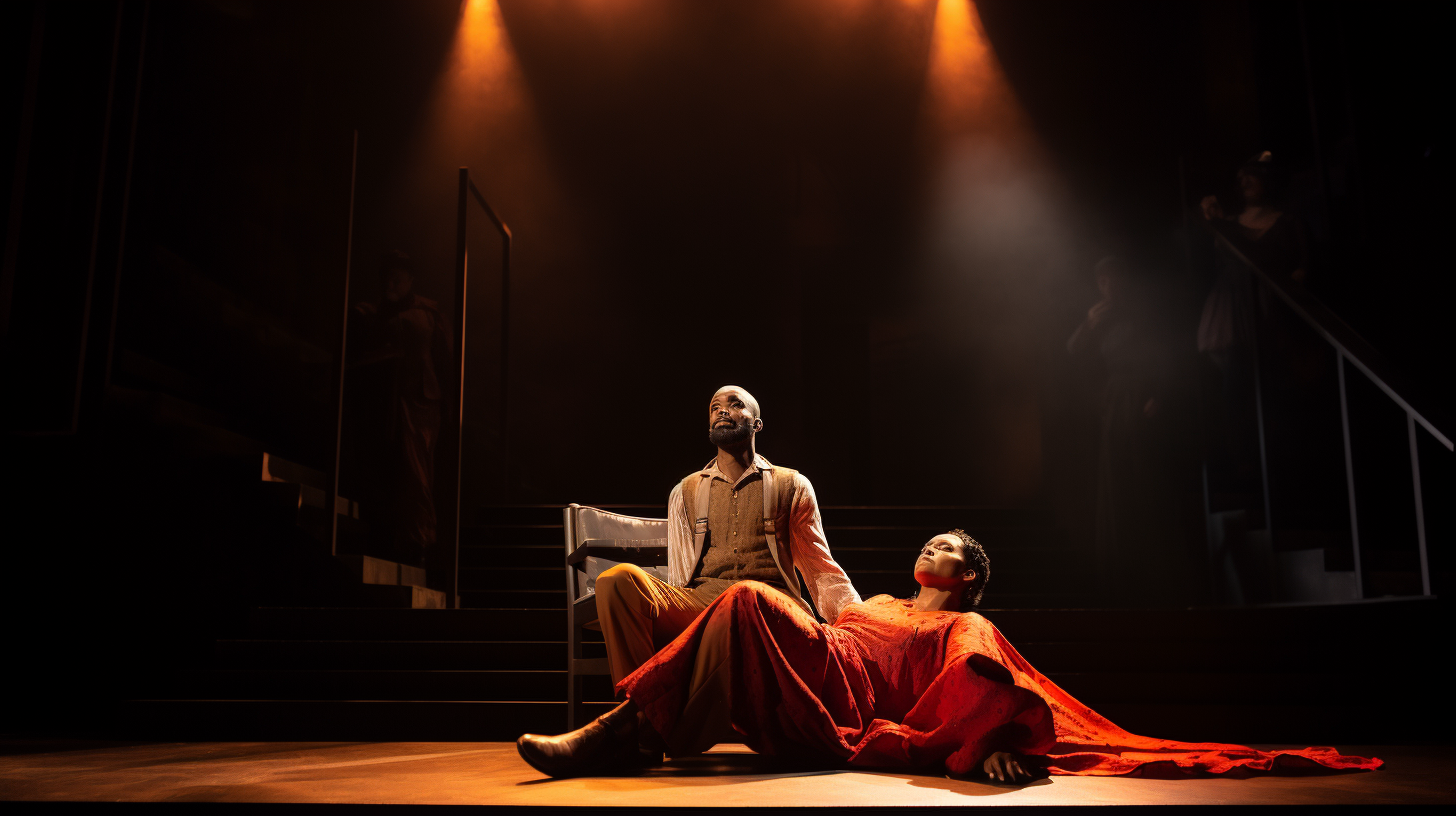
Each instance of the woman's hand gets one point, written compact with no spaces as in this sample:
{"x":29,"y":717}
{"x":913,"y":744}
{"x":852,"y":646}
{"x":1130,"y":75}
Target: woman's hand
{"x":1004,"y":766}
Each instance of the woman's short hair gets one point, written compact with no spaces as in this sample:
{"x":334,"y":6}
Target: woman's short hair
{"x":1270,"y":174}
{"x":977,"y":560}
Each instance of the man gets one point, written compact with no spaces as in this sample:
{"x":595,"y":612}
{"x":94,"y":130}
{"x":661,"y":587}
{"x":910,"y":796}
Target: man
{"x":741,"y":518}
{"x":718,"y":534}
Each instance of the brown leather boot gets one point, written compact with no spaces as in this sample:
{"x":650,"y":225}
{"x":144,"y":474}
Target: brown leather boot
{"x":605,"y":744}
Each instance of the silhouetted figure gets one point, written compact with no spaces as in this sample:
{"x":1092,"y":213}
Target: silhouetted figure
{"x":1269,"y":366}
{"x":1269,"y":237}
{"x":409,"y":331}
{"x":1135,"y":510}
{"x":1263,"y":230}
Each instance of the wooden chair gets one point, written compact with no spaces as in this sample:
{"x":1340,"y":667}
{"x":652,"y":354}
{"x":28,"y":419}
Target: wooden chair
{"x":595,"y":541}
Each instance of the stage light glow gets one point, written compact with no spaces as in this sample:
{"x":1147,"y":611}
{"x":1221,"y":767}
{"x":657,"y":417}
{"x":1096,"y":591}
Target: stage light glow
{"x":480,"y":102}
{"x":993,"y":235}
{"x":966,"y":89}
{"x":478,"y":55}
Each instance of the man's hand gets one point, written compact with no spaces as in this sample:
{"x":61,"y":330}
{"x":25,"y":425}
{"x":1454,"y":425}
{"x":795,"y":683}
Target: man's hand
{"x":1004,"y":766}
{"x":1097,"y":313}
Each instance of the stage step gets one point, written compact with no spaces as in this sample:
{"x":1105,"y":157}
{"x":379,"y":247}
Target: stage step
{"x":1329,"y":623}
{"x":514,"y":598}
{"x":393,"y":596}
{"x":503,"y":721}
{"x":1199,"y":674}
{"x":334,"y":720}
{"x":397,"y":654}
{"x":503,"y":578}
{"x":287,"y":623}
{"x":374,"y":684}
{"x":941,"y":518}
{"x":513,"y":556}
{"x":370,"y":570}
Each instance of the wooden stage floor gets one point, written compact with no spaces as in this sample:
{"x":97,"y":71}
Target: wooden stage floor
{"x":490,"y":773}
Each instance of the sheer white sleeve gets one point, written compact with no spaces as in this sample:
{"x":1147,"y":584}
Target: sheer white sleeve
{"x":679,"y":539}
{"x":828,"y":585}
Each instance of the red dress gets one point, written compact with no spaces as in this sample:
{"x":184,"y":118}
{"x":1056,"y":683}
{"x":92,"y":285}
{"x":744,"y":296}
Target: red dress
{"x":887,"y":686}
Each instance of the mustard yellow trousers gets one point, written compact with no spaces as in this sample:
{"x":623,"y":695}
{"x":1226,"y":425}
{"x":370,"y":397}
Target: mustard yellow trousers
{"x":639,"y":614}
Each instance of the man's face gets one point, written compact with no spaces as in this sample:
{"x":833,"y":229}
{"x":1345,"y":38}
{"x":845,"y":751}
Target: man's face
{"x":941,"y":564}
{"x":731,"y":419}
{"x":397,"y":283}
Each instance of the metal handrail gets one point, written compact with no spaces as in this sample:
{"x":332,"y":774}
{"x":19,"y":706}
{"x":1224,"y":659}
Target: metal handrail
{"x":465,"y":192}
{"x":1352,"y":348}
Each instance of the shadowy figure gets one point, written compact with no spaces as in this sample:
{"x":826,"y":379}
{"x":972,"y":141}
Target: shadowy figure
{"x":1262,"y":229}
{"x":1135,"y":522}
{"x":410,"y":335}
{"x":1269,"y":237}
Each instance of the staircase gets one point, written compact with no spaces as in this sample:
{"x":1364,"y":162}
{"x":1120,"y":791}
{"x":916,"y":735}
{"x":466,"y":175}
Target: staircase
{"x":496,"y":668}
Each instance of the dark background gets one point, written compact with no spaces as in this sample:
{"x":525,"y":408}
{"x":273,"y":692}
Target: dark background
{"x":701,"y":193}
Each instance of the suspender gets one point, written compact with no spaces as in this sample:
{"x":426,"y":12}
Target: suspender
{"x":770,"y":512}
{"x":700,"y":523}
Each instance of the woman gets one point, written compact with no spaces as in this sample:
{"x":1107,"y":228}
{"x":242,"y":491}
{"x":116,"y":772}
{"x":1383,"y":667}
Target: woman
{"x":1271,"y":239}
{"x":916,"y":682}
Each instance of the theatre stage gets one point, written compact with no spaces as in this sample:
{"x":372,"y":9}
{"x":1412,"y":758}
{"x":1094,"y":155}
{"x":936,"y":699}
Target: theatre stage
{"x":490,"y":773}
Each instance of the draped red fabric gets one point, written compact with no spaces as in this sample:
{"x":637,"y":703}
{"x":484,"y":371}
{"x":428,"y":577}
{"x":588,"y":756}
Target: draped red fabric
{"x":887,"y":686}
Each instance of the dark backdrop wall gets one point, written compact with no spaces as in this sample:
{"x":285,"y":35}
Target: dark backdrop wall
{"x":807,"y":199}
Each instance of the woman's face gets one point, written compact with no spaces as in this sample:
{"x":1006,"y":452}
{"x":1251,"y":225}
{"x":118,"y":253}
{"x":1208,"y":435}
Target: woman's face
{"x":942,"y":564}
{"x":1251,"y":188}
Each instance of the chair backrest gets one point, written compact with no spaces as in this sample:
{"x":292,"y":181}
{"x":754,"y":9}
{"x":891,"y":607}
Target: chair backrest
{"x":597,"y":526}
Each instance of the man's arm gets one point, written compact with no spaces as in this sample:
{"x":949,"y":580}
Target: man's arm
{"x":679,"y":539}
{"x":828,"y":585}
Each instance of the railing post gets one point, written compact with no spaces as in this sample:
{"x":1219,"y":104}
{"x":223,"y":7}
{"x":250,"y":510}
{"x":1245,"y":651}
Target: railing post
{"x":1415,"y":458}
{"x":332,"y":508}
{"x":505,"y":344}
{"x":1350,"y":474}
{"x":1256,"y":356}
{"x":462,"y":263}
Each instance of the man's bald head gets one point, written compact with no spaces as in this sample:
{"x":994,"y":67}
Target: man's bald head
{"x":749,"y":402}
{"x":733,"y":418}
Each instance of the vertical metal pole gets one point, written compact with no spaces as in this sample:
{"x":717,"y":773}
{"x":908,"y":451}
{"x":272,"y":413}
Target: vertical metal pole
{"x":1415,"y":457}
{"x":462,"y":264}
{"x":573,"y":634}
{"x":1259,"y":406}
{"x":1350,"y":474}
{"x":98,"y":210}
{"x":505,"y":344}
{"x":332,"y":508}
{"x":136,"y":112}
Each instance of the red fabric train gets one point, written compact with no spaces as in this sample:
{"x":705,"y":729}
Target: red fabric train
{"x":888,"y":686}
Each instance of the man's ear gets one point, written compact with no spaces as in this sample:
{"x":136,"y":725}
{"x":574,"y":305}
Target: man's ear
{"x":969,"y":576}
{"x":757,"y":424}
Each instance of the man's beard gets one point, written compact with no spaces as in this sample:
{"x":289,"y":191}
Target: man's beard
{"x":731,"y":436}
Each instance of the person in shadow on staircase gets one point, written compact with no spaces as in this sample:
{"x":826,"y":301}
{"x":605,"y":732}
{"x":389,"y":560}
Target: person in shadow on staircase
{"x":1131,"y":362}
{"x":920,"y":682}
{"x":410,"y":335}
{"x":740,"y":518}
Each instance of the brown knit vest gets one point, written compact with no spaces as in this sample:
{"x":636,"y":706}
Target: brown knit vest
{"x":737,"y":548}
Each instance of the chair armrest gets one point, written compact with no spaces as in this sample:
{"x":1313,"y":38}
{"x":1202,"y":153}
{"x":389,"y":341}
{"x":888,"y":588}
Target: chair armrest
{"x":643,"y":553}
